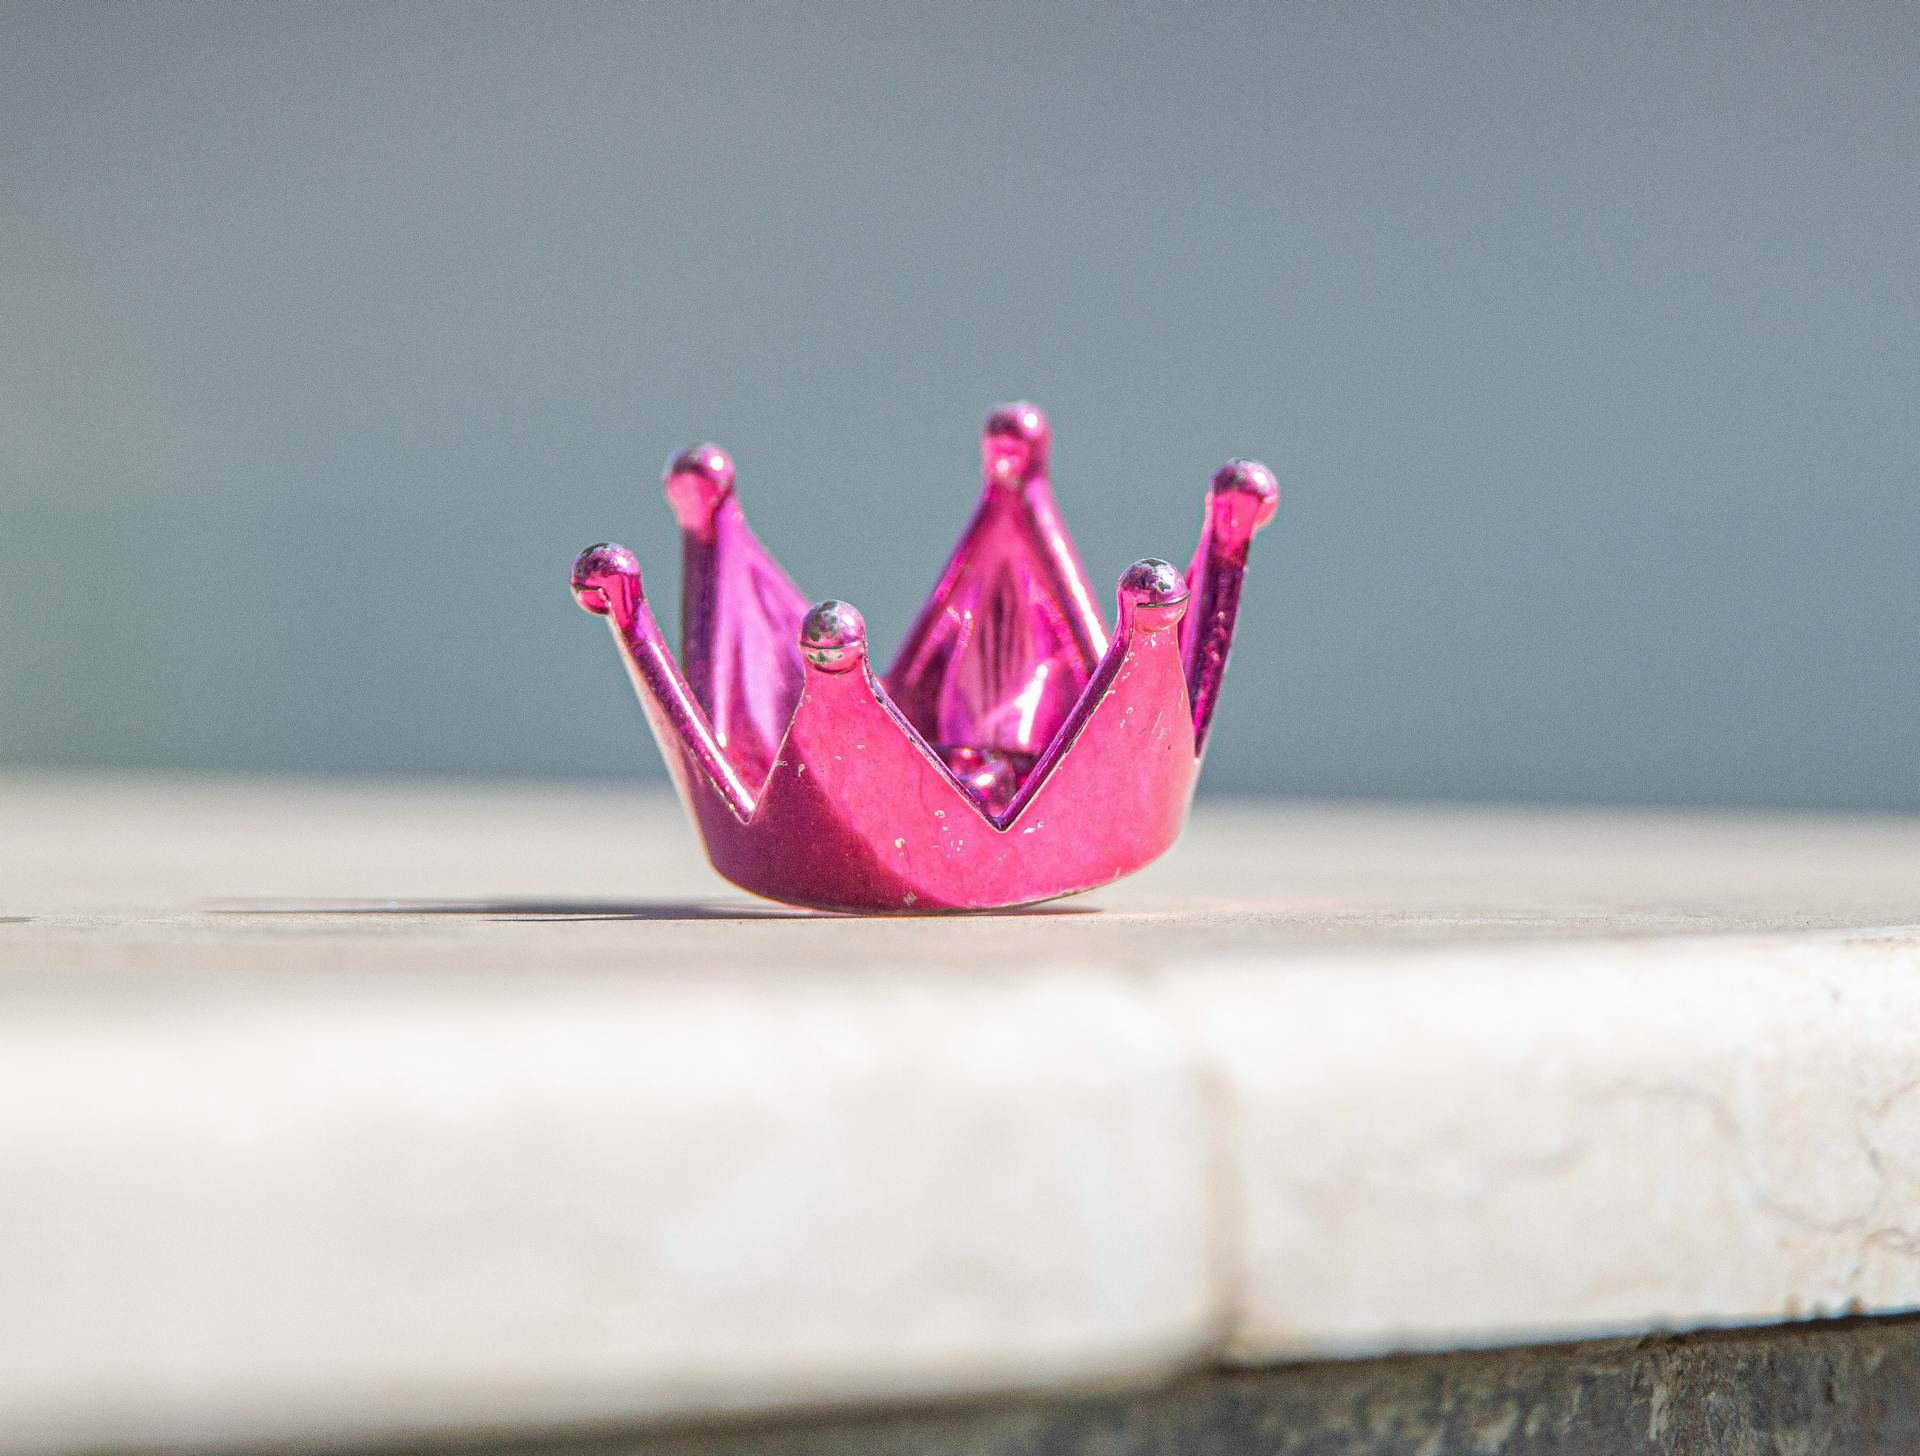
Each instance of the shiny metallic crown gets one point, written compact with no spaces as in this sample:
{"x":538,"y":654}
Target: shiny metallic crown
{"x":1014,"y":752}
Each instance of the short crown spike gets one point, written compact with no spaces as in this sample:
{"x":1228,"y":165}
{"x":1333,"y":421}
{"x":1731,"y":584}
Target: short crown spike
{"x":1016,"y":751}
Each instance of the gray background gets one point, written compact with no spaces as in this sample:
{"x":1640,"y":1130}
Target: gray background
{"x":1584,"y":340}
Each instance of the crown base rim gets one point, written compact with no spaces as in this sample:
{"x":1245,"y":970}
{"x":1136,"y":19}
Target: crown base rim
{"x":924,"y":902}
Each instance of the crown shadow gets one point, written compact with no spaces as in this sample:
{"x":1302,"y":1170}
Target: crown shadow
{"x":535,"y":912}
{"x":529,"y":911}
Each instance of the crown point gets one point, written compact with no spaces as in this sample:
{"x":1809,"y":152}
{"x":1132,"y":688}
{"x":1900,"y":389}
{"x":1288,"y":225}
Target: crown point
{"x":697,"y":480}
{"x":600,"y":572}
{"x":833,"y":636}
{"x":1013,"y":447}
{"x":1243,"y":498}
{"x":1152,"y":583}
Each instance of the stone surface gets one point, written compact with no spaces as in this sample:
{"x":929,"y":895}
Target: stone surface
{"x":1565,"y":1139}
{"x":333,"y":1111}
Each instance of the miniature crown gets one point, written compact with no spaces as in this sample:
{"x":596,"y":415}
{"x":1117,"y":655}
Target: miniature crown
{"x":1014,"y":752}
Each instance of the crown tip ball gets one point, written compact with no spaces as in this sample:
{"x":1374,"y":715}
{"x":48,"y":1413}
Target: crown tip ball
{"x":706,"y":460}
{"x":1019,"y":418}
{"x":598,"y":571}
{"x":1152,"y":583}
{"x":696,"y":481}
{"x":1014,"y":444}
{"x":833,"y":636}
{"x":1245,"y":497}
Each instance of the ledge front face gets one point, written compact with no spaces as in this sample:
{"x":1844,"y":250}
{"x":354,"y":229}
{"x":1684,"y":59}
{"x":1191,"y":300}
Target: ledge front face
{"x":249,"y":1211}
{"x":1518,"y":1144}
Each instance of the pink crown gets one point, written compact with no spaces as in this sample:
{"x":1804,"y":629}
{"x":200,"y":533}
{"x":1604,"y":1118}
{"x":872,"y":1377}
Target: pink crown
{"x":1014,"y":752}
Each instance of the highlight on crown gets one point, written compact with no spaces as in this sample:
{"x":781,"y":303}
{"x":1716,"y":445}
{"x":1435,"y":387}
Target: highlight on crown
{"x":1017,"y":749}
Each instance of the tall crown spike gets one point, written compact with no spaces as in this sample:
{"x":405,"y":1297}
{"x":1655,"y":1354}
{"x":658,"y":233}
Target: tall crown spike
{"x":1241,"y":500}
{"x":606,"y":582}
{"x":1010,"y":635}
{"x":738,"y":613}
{"x":1015,"y":755}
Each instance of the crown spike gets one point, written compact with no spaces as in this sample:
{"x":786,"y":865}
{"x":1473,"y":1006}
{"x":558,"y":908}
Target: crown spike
{"x":1241,"y":500}
{"x":858,"y":813}
{"x":1128,"y":744}
{"x":606,"y":582}
{"x":1016,"y":447}
{"x":1009,"y":637}
{"x":738,"y":613}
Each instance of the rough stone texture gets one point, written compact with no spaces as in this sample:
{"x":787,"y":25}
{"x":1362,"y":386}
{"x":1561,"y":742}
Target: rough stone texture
{"x":1537,"y":1142}
{"x":1843,"y":1389}
{"x":333,"y":1112}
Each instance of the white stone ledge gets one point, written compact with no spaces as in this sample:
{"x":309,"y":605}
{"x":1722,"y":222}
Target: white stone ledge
{"x":1437,"y":1149}
{"x":369,"y":1111}
{"x":247,"y":1209}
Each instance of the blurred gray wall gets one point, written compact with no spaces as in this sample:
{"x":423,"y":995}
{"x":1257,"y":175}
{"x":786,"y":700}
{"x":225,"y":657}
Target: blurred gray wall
{"x":1585,"y":341}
